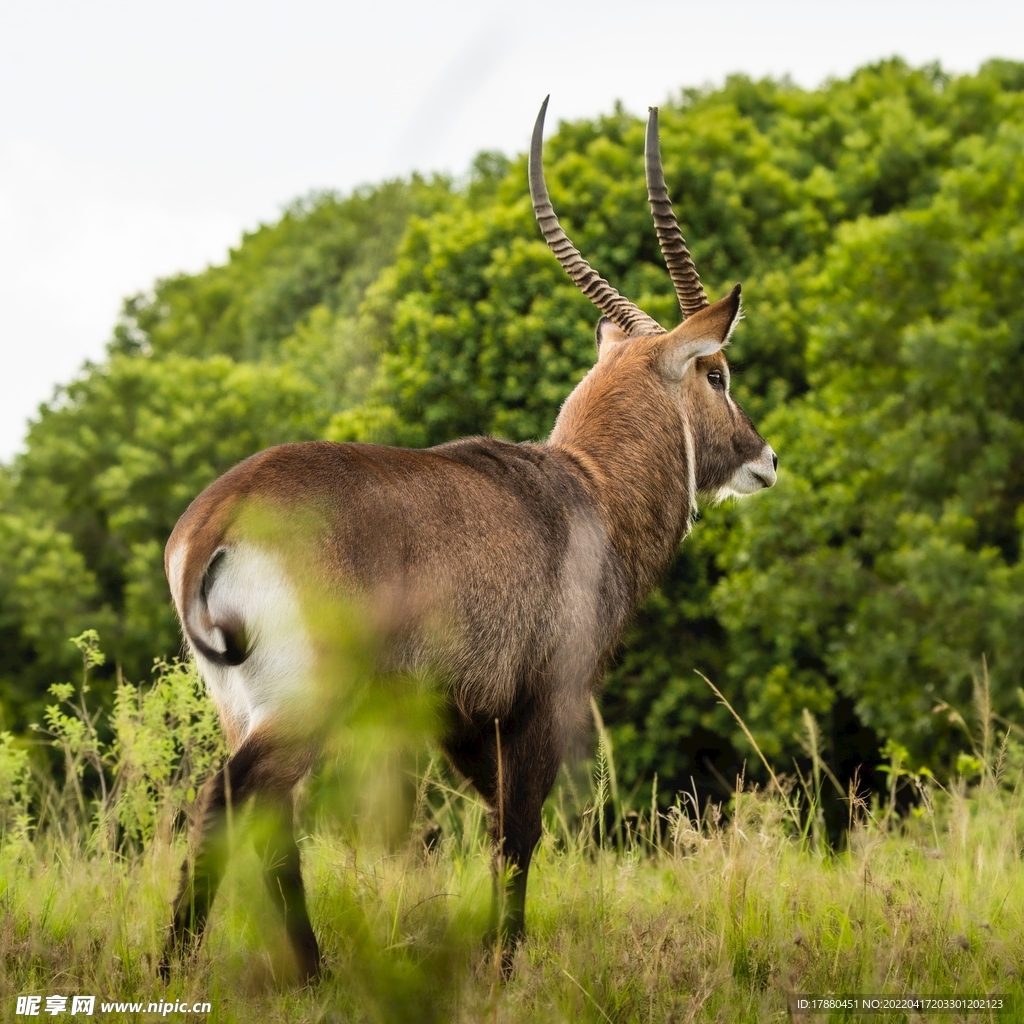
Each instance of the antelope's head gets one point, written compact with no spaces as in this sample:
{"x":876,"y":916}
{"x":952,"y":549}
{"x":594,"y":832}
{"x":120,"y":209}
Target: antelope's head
{"x":686,"y":365}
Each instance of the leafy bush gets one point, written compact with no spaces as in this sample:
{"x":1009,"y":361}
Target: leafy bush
{"x":126,"y":772}
{"x":874,"y":223}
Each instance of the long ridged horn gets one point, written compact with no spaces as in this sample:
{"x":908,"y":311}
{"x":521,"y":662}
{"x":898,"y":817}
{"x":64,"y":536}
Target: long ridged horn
{"x":689,"y":290}
{"x":630,"y":318}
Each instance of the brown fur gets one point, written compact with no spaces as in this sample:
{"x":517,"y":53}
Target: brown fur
{"x":508,"y":570}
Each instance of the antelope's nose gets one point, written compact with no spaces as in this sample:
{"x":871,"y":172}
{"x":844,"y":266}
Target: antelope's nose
{"x":764,"y":468}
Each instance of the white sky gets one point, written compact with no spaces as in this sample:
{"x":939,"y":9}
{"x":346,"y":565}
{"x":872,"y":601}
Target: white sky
{"x":141,"y":138}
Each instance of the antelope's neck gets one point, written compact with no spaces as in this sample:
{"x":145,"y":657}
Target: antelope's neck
{"x":632,"y":449}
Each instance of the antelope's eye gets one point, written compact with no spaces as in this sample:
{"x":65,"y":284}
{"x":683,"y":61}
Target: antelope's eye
{"x":716,"y":380}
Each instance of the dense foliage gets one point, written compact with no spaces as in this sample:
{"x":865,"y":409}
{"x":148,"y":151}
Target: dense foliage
{"x":875,"y":225}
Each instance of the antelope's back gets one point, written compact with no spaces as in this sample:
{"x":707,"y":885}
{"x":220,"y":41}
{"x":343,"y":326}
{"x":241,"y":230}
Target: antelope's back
{"x":483,"y":561}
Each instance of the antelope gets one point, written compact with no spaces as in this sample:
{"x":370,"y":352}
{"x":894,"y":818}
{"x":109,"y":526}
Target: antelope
{"x":509,"y":571}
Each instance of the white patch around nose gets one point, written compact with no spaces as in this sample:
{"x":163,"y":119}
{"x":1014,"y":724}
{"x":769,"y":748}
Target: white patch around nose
{"x":752,"y":476}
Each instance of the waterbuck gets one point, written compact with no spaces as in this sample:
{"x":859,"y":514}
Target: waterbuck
{"x":508,"y":571}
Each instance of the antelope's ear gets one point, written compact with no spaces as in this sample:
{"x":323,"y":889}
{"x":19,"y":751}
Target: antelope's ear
{"x":702,"y":334}
{"x":608,"y":337}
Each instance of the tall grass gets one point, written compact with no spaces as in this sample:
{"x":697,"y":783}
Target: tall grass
{"x":713,"y":912}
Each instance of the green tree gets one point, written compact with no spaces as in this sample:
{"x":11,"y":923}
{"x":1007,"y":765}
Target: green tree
{"x":46,"y":592}
{"x":888,"y":563}
{"x":324,"y":251}
{"x":479,"y":331}
{"x":873,"y":223}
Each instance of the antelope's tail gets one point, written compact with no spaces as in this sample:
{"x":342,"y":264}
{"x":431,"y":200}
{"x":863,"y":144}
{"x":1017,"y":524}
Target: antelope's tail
{"x":214,"y":627}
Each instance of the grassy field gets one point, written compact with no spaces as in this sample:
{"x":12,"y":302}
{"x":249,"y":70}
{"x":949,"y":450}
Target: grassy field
{"x":632,"y":917}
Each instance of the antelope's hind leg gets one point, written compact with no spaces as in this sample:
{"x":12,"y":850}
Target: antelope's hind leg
{"x":283,"y":874}
{"x":203,"y":868}
{"x":269,"y":772}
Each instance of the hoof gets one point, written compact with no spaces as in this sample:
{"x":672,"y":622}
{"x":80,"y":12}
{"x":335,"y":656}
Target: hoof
{"x":310,"y":974}
{"x":307,"y":956}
